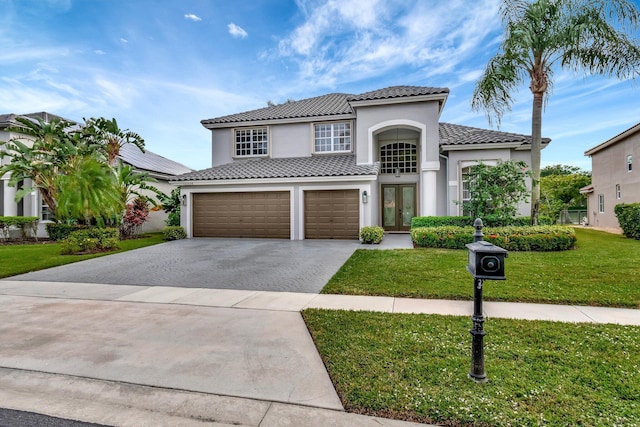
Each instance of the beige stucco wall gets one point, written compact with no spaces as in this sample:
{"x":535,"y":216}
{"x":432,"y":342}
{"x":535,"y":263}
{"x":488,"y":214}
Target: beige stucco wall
{"x":609,"y":167}
{"x":460,"y":159}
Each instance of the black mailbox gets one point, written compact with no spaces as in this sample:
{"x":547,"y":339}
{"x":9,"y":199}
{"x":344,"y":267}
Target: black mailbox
{"x":486,"y":261}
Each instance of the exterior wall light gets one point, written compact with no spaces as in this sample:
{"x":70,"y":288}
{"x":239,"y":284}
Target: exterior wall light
{"x":365,"y":197}
{"x":184,"y":200}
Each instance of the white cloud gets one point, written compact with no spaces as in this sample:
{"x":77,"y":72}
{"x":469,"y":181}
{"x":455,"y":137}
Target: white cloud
{"x":192,"y":17}
{"x":99,"y":52}
{"x":237,"y":31}
{"x":123,"y":40}
{"x":351,"y":41}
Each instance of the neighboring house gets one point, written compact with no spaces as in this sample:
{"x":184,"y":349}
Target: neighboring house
{"x":613,"y":178}
{"x":158,"y":167}
{"x":324,"y":167}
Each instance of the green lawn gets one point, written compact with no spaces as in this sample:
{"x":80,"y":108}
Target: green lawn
{"x":18,"y":259}
{"x":603,"y":270}
{"x":414,"y":367}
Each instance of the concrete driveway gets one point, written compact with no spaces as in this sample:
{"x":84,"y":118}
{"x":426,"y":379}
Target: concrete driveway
{"x":248,"y":264}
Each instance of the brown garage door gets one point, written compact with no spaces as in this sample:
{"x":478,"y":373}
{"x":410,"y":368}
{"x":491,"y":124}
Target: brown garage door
{"x":331,"y":214}
{"x":252,"y":214}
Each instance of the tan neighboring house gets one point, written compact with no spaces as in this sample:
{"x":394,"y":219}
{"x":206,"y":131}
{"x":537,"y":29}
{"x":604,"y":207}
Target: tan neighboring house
{"x":323,"y":167}
{"x":614,"y":180}
{"x":160,"y":168}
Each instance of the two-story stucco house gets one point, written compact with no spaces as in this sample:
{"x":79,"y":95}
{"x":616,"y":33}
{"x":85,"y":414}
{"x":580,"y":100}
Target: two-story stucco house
{"x":613,"y":178}
{"x":158,"y":167}
{"x":325,"y":166}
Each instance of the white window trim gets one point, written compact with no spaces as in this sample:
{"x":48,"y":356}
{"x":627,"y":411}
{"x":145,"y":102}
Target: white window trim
{"x":629,"y":163}
{"x":234,"y":142}
{"x":600,"y":203}
{"x":351,"y":137}
{"x":618,"y":192}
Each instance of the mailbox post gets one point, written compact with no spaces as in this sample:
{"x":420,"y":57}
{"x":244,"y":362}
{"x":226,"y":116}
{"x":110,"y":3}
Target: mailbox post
{"x":486,"y":261}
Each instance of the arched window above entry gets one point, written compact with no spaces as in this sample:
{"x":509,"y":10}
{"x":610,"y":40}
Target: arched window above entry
{"x":399,"y":157}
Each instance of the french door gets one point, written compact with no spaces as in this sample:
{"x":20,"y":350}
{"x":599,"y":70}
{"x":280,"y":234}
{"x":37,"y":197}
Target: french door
{"x":398,"y":206}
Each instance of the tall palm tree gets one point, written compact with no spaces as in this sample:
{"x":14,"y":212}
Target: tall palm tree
{"x":589,"y":36}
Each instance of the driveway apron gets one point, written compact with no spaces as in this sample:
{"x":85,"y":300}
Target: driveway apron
{"x":247,"y":264}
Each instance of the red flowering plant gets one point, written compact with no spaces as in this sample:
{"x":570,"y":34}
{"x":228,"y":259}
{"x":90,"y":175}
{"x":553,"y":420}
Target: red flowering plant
{"x":134,"y":217}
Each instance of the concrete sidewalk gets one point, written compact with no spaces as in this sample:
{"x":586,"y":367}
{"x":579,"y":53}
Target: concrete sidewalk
{"x":294,"y":302}
{"x":136,"y":355}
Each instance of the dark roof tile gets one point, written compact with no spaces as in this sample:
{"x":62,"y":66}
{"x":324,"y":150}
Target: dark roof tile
{"x":398,"y":92}
{"x":325,"y":105}
{"x":291,"y":167}
{"x":451,"y":134}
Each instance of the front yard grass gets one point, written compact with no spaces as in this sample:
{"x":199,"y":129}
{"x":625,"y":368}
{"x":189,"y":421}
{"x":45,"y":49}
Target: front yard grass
{"x":414,"y":367}
{"x":18,"y":259}
{"x":602,"y":271}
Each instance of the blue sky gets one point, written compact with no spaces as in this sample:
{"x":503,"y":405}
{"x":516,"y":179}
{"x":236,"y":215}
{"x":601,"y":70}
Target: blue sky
{"x":161,"y":66}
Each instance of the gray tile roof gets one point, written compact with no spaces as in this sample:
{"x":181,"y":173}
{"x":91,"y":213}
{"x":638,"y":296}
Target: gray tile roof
{"x":151,"y":162}
{"x":451,"y":134}
{"x":398,"y":92}
{"x":325,"y":105}
{"x":333,"y":104}
{"x":291,"y":167}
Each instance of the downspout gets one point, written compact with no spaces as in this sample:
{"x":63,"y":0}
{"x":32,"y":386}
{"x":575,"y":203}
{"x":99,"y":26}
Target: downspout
{"x":447,"y":182}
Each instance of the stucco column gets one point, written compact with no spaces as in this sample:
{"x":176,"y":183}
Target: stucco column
{"x":429,"y":193}
{"x":10,"y":205}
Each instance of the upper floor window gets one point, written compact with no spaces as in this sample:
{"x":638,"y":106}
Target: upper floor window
{"x":399,"y":157}
{"x":618,"y":192}
{"x":251,"y":142}
{"x":332,"y":137}
{"x":629,"y":163}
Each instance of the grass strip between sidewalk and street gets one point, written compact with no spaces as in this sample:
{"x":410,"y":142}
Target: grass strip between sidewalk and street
{"x":414,"y":367}
{"x":24,"y":258}
{"x":601,"y":271}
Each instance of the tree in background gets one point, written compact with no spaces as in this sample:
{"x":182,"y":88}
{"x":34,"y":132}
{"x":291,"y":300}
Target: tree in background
{"x":588,"y":36}
{"x":560,"y":189}
{"x":108,"y":138}
{"x":38,"y":157}
{"x":496,"y":190}
{"x":75,"y":168}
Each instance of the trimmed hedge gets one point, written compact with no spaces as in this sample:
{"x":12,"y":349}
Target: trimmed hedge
{"x":59,"y":231}
{"x":90,"y":240}
{"x":629,"y":219}
{"x":467,"y":221}
{"x":539,"y":238}
{"x":371,"y":234}
{"x":28,"y":226}
{"x":174,"y":233}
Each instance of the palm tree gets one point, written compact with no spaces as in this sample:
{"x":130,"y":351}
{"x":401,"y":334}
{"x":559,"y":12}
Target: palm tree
{"x":88,"y":191}
{"x":109,"y":138}
{"x":40,"y":155}
{"x":588,"y":36}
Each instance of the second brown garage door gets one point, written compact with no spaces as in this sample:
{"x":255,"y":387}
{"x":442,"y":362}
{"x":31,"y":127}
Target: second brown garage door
{"x":251,"y":214}
{"x":331,"y":214}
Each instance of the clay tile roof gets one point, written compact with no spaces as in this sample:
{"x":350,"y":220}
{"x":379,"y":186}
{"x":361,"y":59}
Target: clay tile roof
{"x":398,"y":92}
{"x":325,"y":105}
{"x":451,"y":134}
{"x":291,"y":167}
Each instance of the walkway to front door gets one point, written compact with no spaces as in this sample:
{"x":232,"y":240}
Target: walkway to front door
{"x":398,"y":206}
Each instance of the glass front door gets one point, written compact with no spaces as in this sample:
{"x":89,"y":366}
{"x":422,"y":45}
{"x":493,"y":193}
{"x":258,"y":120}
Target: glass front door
{"x":398,"y":206}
